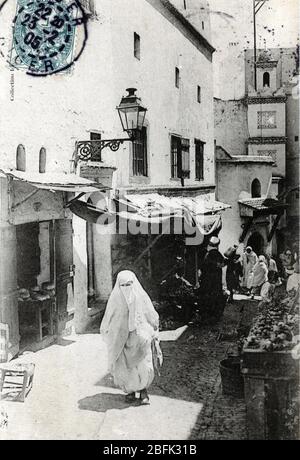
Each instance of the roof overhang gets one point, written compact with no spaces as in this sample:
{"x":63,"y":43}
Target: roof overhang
{"x":256,"y":207}
{"x":55,"y":182}
{"x":167,"y":8}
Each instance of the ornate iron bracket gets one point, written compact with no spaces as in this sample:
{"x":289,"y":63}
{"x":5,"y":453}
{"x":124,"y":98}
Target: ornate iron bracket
{"x":92,"y":150}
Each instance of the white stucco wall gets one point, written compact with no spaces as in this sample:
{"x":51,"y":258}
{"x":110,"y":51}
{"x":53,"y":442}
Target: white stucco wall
{"x":234,"y":183}
{"x":198,"y":13}
{"x":56,"y":111}
{"x":276,"y":151}
{"x":231,"y":125}
{"x":293,"y":153}
{"x":170,"y":110}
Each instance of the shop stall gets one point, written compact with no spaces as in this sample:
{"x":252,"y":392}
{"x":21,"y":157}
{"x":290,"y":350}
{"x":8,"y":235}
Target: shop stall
{"x":36,"y":267}
{"x":270,"y":369}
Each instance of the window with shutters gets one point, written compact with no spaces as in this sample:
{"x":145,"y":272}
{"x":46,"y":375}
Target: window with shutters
{"x":180,"y":158}
{"x":139,"y":154}
{"x":185,"y":161}
{"x":199,"y":159}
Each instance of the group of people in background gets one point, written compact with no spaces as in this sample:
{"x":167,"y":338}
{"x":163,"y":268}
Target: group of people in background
{"x":248,"y":273}
{"x":255,"y":274}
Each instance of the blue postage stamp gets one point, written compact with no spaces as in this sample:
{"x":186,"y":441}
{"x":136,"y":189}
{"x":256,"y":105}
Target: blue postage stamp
{"x":48,"y":35}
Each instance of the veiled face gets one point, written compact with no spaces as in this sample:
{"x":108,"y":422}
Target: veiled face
{"x":125,"y":281}
{"x":125,"y":278}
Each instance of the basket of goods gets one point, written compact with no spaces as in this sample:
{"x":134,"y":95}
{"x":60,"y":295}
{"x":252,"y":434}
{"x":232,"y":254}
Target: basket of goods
{"x":276,"y":329}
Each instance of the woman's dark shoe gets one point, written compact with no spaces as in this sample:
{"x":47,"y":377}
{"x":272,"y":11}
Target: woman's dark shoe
{"x":130,"y":398}
{"x":144,"y":398}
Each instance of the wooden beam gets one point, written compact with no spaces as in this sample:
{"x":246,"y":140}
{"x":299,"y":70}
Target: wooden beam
{"x":76,"y":198}
{"x":16,"y":205}
{"x":275,"y":225}
{"x":246,"y":229}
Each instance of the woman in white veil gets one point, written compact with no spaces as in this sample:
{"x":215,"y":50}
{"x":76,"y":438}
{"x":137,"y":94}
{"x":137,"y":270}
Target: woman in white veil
{"x":130,"y":329}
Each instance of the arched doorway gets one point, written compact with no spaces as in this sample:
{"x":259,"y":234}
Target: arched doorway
{"x":257,"y":243}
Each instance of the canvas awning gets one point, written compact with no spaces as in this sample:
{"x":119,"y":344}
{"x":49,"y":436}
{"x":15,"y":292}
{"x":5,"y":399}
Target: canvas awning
{"x":91,"y":213}
{"x":201,"y":212}
{"x":161,"y":204}
{"x":55,"y":181}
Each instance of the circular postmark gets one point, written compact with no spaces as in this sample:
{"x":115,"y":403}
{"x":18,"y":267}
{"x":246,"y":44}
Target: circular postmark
{"x":48,"y":35}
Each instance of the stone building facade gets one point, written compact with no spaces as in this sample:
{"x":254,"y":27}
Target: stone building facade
{"x":252,"y":132}
{"x":156,"y":46}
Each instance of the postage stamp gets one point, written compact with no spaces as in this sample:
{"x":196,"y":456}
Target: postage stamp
{"x":48,"y":36}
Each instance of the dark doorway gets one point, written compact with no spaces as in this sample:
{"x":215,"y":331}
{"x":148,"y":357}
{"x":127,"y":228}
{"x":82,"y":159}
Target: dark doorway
{"x":257,"y":243}
{"x":28,"y":255}
{"x":256,"y":189}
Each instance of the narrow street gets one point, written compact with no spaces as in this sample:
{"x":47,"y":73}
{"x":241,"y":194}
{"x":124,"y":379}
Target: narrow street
{"x":73,"y":398}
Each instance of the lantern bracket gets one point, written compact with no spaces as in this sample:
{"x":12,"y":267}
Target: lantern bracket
{"x":92,"y":150}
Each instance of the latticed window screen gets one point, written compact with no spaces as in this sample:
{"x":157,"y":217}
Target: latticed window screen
{"x":268,"y":153}
{"x":199,"y":159}
{"x":139,"y":154}
{"x":180,"y":157}
{"x":266,"y":120}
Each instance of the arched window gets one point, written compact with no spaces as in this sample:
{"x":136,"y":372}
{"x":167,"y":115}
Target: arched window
{"x":256,"y":189}
{"x":266,"y":79}
{"x":21,"y":158}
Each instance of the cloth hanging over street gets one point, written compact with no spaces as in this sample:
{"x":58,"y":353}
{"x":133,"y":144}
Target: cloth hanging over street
{"x":201,"y":212}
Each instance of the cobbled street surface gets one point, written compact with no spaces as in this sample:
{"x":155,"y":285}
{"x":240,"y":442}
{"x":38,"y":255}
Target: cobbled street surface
{"x":74,"y":398}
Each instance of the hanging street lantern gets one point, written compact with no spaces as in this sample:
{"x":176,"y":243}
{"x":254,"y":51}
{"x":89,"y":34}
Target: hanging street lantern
{"x":132,"y":115}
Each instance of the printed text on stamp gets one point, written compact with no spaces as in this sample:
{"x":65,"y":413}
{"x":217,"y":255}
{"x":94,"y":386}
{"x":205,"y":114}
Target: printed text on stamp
{"x":48,"y":35}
